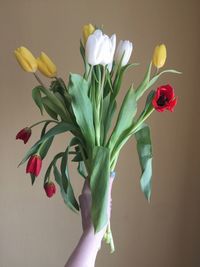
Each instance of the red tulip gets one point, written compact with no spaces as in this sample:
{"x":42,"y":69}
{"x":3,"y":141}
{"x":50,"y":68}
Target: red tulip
{"x":24,"y":134}
{"x":34,"y":165}
{"x":164,"y":98}
{"x":50,"y":189}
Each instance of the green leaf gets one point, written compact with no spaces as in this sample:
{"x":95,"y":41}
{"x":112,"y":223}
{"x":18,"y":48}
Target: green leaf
{"x":53,"y":162}
{"x":44,"y":128}
{"x":143,"y":85}
{"x":144,"y":149}
{"x":118,"y":78}
{"x":82,"y":107}
{"x":69,"y":199}
{"x":78,"y":157}
{"x":58,"y":129}
{"x":99,"y":185}
{"x":107,"y":116}
{"x":49,"y":107}
{"x":66,"y":196}
{"x":155,"y":78}
{"x":58,"y":105}
{"x":125,"y":117}
{"x":148,"y":104}
{"x":36,"y":95}
{"x":44,"y":147}
{"x":32,"y":178}
{"x":147,"y":82}
{"x":124,"y":137}
{"x":82,"y":170}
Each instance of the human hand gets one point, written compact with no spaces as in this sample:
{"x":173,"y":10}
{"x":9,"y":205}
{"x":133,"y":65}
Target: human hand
{"x":85,"y":200}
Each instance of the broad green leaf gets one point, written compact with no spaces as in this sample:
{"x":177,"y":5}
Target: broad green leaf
{"x":144,"y":149}
{"x":125,"y":117}
{"x":124,"y":137}
{"x":58,"y":129}
{"x":66,"y":185}
{"x":50,"y":108}
{"x":67,"y":197}
{"x":82,"y":107}
{"x":36,"y":95}
{"x":99,"y":185}
{"x":60,"y":108}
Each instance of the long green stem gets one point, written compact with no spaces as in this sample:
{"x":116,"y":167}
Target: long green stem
{"x":89,"y":73}
{"x":37,"y":123}
{"x":39,"y":80}
{"x":99,"y":106}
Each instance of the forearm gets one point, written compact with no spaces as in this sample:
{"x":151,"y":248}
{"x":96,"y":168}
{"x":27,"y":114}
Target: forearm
{"x":84,"y":255}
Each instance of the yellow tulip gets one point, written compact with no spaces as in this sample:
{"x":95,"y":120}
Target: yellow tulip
{"x":46,"y":66}
{"x":26,"y":59}
{"x":159,"y":56}
{"x":87,"y":31}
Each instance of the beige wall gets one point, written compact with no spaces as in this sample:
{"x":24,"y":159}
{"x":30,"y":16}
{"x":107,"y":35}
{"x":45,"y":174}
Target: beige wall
{"x":36,"y":231}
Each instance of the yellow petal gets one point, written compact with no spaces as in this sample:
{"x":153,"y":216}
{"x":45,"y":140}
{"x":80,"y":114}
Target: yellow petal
{"x":26,"y":59}
{"x":46,"y":66}
{"x":87,"y":31}
{"x":24,"y":65}
{"x":43,"y":68}
{"x":159,"y":56}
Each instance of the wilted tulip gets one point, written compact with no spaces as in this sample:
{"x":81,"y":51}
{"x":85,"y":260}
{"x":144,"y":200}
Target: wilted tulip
{"x":124,"y":49}
{"x":46,"y":66}
{"x":26,"y":59}
{"x":34,"y":165}
{"x":100,"y":48}
{"x":87,"y":31}
{"x":50,"y":189}
{"x":159,"y":56}
{"x":24,"y":134}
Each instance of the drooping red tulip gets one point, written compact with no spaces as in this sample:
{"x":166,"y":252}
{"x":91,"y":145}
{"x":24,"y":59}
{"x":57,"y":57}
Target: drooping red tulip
{"x":164,"y":98}
{"x":24,"y":134}
{"x":50,"y":189}
{"x":34,"y":165}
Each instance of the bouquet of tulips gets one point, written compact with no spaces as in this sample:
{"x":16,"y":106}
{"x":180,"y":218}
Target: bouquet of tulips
{"x":85,"y":106}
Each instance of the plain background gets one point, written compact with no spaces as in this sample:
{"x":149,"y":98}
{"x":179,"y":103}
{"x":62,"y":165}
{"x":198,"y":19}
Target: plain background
{"x":36,"y":231}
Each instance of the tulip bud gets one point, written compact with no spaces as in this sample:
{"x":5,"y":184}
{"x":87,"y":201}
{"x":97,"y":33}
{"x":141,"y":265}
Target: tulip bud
{"x":87,"y":31}
{"x":24,"y":134}
{"x":124,"y":49}
{"x":46,"y":66}
{"x":34,"y":165}
{"x":26,"y":59}
{"x":100,"y":48}
{"x":159,"y":56}
{"x":50,"y":189}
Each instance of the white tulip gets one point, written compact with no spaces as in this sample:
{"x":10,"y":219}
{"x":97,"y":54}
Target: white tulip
{"x":100,"y":48}
{"x":124,"y":49}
